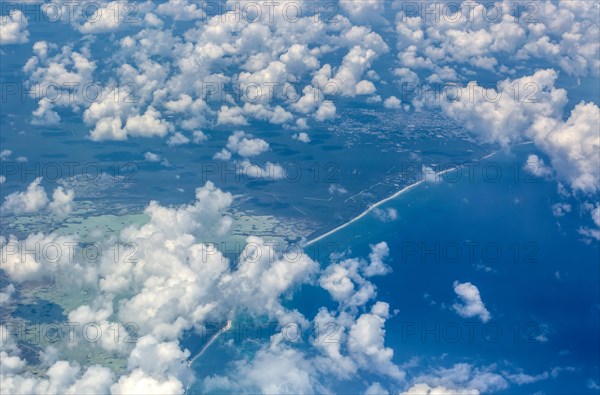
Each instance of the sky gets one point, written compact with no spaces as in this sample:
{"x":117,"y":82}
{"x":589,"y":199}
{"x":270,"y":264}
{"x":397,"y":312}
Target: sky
{"x":300,"y":196}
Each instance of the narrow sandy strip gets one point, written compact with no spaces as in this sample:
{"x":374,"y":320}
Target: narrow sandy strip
{"x":211,"y":341}
{"x":371,"y":208}
{"x":395,"y":195}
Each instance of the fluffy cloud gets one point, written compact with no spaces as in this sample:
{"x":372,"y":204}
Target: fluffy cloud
{"x":277,"y":115}
{"x":366,"y":342}
{"x":35,"y":199}
{"x":461,"y":378}
{"x":338,"y":281}
{"x":478,"y":37}
{"x":62,"y":202}
{"x":138,"y":382}
{"x":326,"y":111}
{"x":298,"y":59}
{"x":177,"y":139}
{"x":148,"y":124}
{"x":244,"y":145}
{"x":274,"y":370}
{"x":164,"y":300}
{"x":5,"y":153}
{"x":560,"y":209}
{"x":62,"y":78}
{"x":222,"y":155}
{"x":6,"y":295}
{"x":111,"y":16}
{"x":471,"y":304}
{"x":13,"y":28}
{"x":596,"y":215}
{"x":32,"y":200}
{"x":348,"y":76}
{"x":62,"y":377}
{"x":269,"y":54}
{"x":38,"y":257}
{"x":536,"y":166}
{"x":386,"y":215}
{"x":376,"y":267}
{"x":425,"y":389}
{"x":199,"y":137}
{"x":346,"y":280}
{"x":523,"y":378}
{"x":180,"y":10}
{"x":336,"y":189}
{"x":392,"y":102}
{"x":270,"y":171}
{"x":302,"y":137}
{"x":572,"y":145}
{"x":263,"y":275}
{"x":115,"y":111}
{"x":376,"y":389}
{"x":364,"y":11}
{"x":231,"y":116}
{"x":355,"y":344}
{"x":501,"y":115}
{"x":151,"y":157}
{"x":594,"y":211}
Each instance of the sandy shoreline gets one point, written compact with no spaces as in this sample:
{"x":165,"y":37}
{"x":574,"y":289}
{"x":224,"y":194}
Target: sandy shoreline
{"x":395,"y":195}
{"x":373,"y":207}
{"x":211,"y":341}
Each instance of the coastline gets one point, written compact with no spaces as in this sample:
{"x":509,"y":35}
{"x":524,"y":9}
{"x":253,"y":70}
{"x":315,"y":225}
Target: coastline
{"x":211,"y":341}
{"x":395,"y":195}
{"x":367,"y":211}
